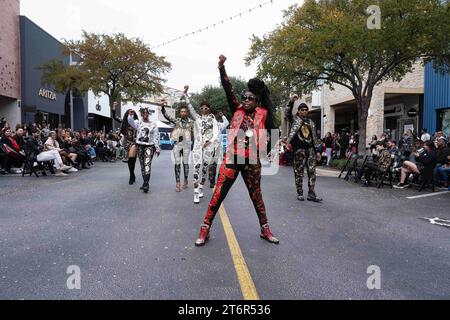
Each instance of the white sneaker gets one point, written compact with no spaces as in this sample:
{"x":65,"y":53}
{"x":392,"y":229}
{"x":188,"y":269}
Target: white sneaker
{"x":196,"y":198}
{"x":200,"y":193}
{"x":73,"y":170}
{"x":61,"y":174}
{"x":65,"y":168}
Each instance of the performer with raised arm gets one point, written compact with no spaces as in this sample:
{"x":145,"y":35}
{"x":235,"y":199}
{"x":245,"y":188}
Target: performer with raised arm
{"x":303,"y":140}
{"x":253,"y":116}
{"x":181,"y":135}
{"x":129,"y":139}
{"x":218,"y":152}
{"x":147,"y":139}
{"x":206,"y":135}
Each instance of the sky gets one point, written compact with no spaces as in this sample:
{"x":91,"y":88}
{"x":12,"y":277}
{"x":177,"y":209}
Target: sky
{"x":194,"y":59}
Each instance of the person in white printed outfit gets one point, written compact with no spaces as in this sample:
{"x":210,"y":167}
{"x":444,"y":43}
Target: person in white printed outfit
{"x":147,"y":140}
{"x":181,"y":135}
{"x":218,"y":152}
{"x":206,"y":135}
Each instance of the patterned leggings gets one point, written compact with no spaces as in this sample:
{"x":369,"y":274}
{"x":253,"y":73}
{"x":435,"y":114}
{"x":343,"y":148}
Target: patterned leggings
{"x":145,"y":158}
{"x":201,"y":156}
{"x":227,"y":176}
{"x":305,"y":158}
{"x":181,"y":152}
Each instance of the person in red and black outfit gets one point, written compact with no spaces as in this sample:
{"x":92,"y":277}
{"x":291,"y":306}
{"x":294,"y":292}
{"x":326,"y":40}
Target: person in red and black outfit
{"x":247,"y":136}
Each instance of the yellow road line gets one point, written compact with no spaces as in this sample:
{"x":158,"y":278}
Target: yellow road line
{"x":245,"y":279}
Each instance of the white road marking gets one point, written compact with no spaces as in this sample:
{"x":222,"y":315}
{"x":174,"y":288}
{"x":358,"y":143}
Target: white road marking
{"x":428,"y":195}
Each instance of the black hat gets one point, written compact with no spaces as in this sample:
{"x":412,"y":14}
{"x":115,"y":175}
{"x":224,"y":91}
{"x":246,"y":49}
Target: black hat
{"x":303,"y":106}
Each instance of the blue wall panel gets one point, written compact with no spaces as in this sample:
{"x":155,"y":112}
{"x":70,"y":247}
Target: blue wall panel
{"x":437,"y":96}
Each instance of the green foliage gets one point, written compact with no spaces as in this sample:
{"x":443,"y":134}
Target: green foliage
{"x":328,"y":42}
{"x":120,"y":67}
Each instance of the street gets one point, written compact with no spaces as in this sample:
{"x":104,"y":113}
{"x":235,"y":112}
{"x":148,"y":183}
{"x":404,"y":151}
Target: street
{"x":129,"y":245}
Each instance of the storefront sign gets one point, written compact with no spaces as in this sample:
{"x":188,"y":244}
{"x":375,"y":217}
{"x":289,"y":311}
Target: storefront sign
{"x":47,"y":94}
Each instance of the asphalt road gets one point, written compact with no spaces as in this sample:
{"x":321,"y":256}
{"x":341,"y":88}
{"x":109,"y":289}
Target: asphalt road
{"x":134,"y":246}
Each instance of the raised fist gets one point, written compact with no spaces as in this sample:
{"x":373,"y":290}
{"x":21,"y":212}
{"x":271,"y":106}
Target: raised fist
{"x":222,"y":60}
{"x":186,"y":89}
{"x":115,"y":104}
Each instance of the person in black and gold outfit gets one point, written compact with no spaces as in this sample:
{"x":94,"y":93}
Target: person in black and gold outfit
{"x":302,"y":139}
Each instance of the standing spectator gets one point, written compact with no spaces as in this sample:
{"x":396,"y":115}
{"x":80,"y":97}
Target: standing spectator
{"x":328,"y":147}
{"x":2,"y":123}
{"x":425,"y":135}
{"x":344,"y":142}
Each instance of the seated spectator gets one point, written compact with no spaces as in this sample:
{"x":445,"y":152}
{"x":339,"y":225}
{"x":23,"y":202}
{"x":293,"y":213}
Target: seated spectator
{"x":88,"y":143}
{"x":111,"y":144}
{"x":381,"y":165}
{"x":442,"y":170}
{"x":82,"y":155}
{"x":19,"y":137}
{"x":417,"y":147}
{"x":425,"y":135}
{"x":52,"y":144}
{"x":424,"y":159}
{"x":15,"y":156}
{"x":35,"y":148}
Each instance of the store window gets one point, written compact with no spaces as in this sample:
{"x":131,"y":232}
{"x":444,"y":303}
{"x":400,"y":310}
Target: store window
{"x":444,"y":121}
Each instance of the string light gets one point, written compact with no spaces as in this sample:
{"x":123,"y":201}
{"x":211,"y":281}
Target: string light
{"x":214,"y":25}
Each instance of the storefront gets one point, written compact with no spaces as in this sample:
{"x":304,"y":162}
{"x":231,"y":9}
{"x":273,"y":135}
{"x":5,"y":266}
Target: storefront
{"x":436,"y":115}
{"x":10,"y":62}
{"x":40,"y":102}
{"x":99,"y":112}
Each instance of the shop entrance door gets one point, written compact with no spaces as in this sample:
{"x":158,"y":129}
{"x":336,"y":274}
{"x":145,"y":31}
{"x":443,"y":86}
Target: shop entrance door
{"x":391,"y":124}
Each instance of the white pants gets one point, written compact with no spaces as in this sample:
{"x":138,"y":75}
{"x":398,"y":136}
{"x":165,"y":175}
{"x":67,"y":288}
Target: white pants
{"x":329,"y":151}
{"x":51,"y":155}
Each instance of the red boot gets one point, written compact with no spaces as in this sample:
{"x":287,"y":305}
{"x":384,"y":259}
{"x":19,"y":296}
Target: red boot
{"x":204,"y":235}
{"x":267,"y":235}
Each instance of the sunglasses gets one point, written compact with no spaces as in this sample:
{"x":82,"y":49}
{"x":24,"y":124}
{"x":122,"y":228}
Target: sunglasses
{"x":249,"y":98}
{"x":204,"y":109}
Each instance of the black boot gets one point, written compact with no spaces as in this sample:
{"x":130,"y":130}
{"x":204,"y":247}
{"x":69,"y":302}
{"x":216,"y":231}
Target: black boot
{"x":131,"y":166}
{"x":300,"y":197}
{"x":313,"y":197}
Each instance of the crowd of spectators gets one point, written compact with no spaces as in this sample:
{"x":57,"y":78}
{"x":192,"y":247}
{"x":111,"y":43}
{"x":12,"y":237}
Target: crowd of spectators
{"x":67,"y":151}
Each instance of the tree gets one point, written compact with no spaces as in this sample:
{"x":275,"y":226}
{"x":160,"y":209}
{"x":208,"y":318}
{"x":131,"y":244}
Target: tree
{"x":215,"y":95}
{"x":120,"y":67}
{"x":328,"y":42}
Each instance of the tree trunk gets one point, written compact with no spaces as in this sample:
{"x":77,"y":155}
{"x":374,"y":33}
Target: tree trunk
{"x":363,"y":112}
{"x":113,"y":122}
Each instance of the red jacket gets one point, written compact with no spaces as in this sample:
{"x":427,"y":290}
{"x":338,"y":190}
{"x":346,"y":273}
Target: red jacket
{"x":259,"y":138}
